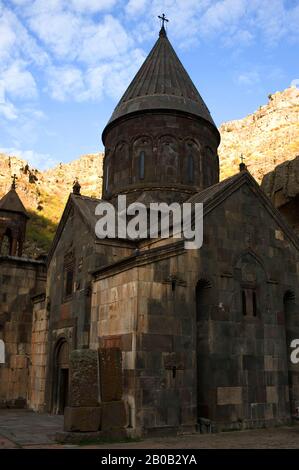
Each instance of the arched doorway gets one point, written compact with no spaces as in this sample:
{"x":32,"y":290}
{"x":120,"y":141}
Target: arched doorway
{"x":61,"y":380}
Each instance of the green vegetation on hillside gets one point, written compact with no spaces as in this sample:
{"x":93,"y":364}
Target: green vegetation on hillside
{"x":40,"y":232}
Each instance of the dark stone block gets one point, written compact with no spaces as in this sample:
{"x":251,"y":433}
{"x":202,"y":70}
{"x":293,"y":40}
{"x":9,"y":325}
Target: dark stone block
{"x":155,"y":342}
{"x":253,"y":362}
{"x":126,"y":342}
{"x":226,"y":413}
{"x":110,"y":374}
{"x":149,"y":382}
{"x":153,"y":360}
{"x":149,"y":398}
{"x":113,"y":415}
{"x":84,"y":419}
{"x":155,"y":307}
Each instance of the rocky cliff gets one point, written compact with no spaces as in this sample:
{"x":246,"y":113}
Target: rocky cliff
{"x":44,"y":193}
{"x":282,"y":187}
{"x":266,"y":138}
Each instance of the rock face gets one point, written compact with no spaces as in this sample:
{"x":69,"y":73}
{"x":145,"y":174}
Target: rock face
{"x":282,"y":187}
{"x":266,"y":138}
{"x":44,"y":193}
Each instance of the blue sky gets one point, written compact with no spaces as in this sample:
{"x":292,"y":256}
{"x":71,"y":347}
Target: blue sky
{"x":65,"y":63}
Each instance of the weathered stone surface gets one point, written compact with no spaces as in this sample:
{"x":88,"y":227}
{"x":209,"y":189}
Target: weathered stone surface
{"x":18,"y":280}
{"x":229,"y":395}
{"x":167,"y":157}
{"x":282,"y":184}
{"x":82,"y":419}
{"x":272,"y":395}
{"x":110,"y":374}
{"x":282,"y":187}
{"x":84,"y":389}
{"x":39,"y":341}
{"x":113,"y":415}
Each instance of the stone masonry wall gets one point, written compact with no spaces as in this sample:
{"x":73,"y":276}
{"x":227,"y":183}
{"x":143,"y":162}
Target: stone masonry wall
{"x":114,"y":324}
{"x":242,"y":359}
{"x":39,"y":344}
{"x":19,"y":281}
{"x":167,"y":140}
{"x":195,"y":353}
{"x":165,"y":358}
{"x":69,"y":318}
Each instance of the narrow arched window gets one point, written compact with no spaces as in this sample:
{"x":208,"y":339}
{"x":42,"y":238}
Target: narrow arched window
{"x":141,"y":165}
{"x":254,"y":304}
{"x":190,"y":169}
{"x":244,"y":309}
{"x":107,"y":178}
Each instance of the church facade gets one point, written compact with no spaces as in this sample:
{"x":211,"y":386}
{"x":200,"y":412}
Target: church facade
{"x":147,"y":336}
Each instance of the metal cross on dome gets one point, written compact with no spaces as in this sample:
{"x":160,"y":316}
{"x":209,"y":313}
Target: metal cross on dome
{"x":164,"y":19}
{"x":14,"y":180}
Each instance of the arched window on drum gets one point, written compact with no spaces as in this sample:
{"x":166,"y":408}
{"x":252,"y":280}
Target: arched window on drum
{"x":191,"y":163}
{"x":190,"y":168}
{"x":143,"y":165}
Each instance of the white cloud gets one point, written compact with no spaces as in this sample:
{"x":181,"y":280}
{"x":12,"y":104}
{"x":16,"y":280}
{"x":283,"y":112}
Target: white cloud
{"x":134,"y":7}
{"x":35,"y":159}
{"x":17,"y":42}
{"x":92,"y":6}
{"x":21,"y":2}
{"x":258,"y":77}
{"x":223,"y":14}
{"x":8,"y":110}
{"x":104,"y":41}
{"x":59,"y":30}
{"x":18,"y":82}
{"x":7,"y":38}
{"x":110,"y":78}
{"x":66,"y":82}
{"x":249,"y":78}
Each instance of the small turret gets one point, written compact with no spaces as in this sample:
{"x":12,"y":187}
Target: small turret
{"x":13,"y":221}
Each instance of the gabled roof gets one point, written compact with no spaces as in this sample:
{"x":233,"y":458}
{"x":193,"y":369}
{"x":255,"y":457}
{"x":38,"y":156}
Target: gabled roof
{"x":214,"y":195}
{"x":211,"y":197}
{"x":161,"y":83}
{"x":12,"y":203}
{"x":86,"y":208}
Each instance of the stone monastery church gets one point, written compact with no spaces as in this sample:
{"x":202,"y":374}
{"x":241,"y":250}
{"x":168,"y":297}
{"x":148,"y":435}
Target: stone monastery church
{"x":145,"y":336}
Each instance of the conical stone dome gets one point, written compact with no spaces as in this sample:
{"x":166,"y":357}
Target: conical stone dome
{"x":162,"y":83}
{"x":161,"y":139}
